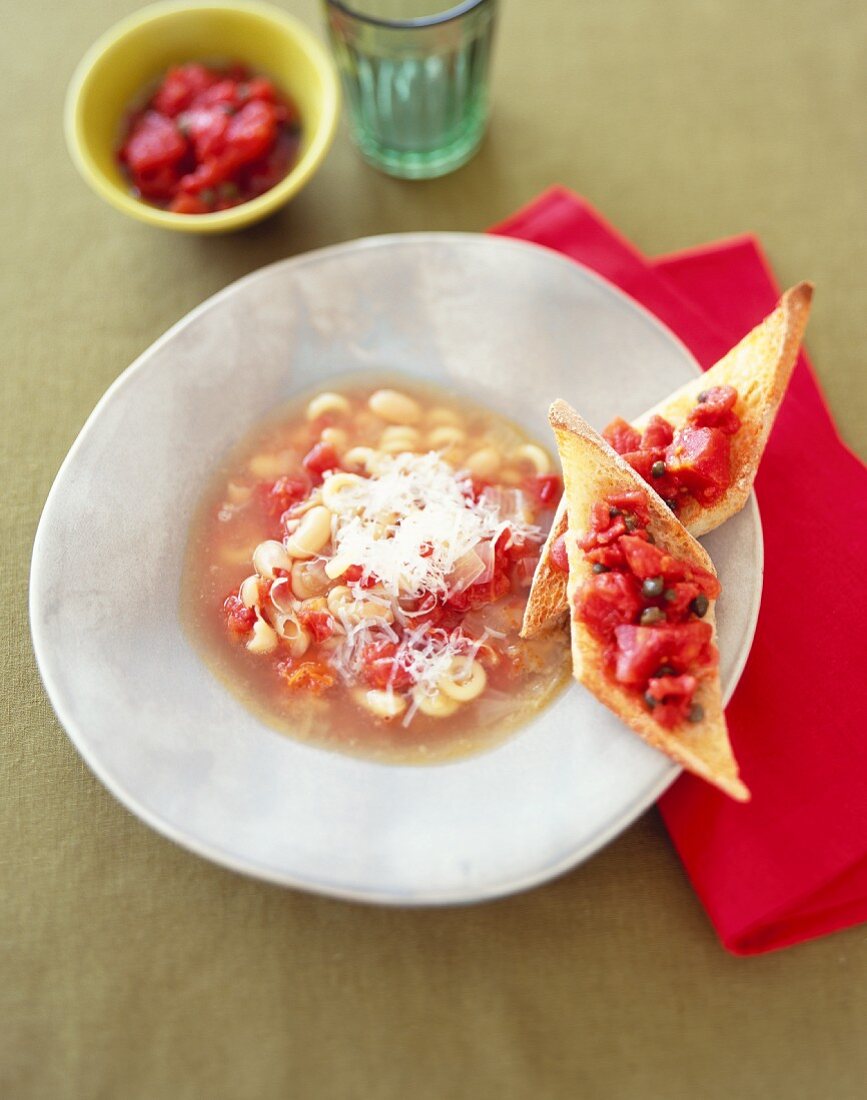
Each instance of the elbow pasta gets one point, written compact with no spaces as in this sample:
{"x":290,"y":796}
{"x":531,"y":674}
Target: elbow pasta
{"x":330,"y":636}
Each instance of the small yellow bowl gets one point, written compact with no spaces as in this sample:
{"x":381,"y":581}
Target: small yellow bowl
{"x":138,"y":50}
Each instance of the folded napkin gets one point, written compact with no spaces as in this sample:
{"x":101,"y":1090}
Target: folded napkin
{"x":792,"y":863}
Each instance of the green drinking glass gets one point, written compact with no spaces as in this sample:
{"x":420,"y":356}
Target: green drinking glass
{"x":415,"y":75}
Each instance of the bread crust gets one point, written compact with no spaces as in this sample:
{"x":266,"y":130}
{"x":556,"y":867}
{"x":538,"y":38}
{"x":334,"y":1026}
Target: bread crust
{"x":759,"y":368}
{"x":592,"y":470}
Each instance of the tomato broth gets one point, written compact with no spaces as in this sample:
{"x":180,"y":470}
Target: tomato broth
{"x":359,"y":568}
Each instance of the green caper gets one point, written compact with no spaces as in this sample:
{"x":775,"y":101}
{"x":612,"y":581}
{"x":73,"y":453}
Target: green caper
{"x":657,"y":469}
{"x":630,"y":521}
{"x":651,"y":615}
{"x":207,"y":196}
{"x":670,"y":594}
{"x":614,"y":512}
{"x":229,"y":190}
{"x":700,"y":605}
{"x":664,"y":670}
{"x":672,"y":504}
{"x":696,"y":712}
{"x":648,"y":698}
{"x":703,"y":396}
{"x":598,"y":567}
{"x":652,"y":587}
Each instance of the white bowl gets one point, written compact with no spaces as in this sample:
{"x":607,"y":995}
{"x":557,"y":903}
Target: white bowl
{"x":509,"y":324}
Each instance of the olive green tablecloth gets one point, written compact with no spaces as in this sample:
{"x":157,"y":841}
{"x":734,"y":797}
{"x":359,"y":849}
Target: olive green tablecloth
{"x":133,"y":969}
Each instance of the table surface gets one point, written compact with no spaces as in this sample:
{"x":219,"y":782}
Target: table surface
{"x":132,"y":968}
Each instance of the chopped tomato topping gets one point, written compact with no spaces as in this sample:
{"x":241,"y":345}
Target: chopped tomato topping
{"x":695,"y":460}
{"x":180,"y":87}
{"x":239,"y":619}
{"x":658,"y":433}
{"x":670,"y":698}
{"x":605,"y":601}
{"x":700,"y":459}
{"x":643,"y":649}
{"x":645,"y":605}
{"x":622,"y":436}
{"x":319,"y":624}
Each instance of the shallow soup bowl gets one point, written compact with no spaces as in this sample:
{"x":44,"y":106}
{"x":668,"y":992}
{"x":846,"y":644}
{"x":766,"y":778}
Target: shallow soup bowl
{"x":135,"y":53}
{"x":509,"y":325}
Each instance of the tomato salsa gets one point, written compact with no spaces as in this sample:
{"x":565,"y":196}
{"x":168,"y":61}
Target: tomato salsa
{"x":646,"y":608}
{"x":209,"y":138}
{"x":695,"y":460}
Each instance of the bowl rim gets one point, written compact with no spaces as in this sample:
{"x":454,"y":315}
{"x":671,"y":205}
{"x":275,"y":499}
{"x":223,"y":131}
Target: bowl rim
{"x":218,"y":221}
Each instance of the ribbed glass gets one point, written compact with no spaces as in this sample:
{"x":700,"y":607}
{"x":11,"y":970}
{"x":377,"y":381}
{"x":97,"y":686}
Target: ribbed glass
{"x":415,"y":77}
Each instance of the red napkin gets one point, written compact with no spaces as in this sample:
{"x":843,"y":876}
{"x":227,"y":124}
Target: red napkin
{"x":792,"y":863}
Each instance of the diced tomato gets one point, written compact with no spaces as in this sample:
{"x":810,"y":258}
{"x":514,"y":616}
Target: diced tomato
{"x":239,"y":619}
{"x":154,"y":142}
{"x":320,"y":458}
{"x":658,"y":433}
{"x":226,"y":136}
{"x":183,"y":203}
{"x":282,"y":494}
{"x":559,"y":558}
{"x":700,"y":458}
{"x":607,"y":600}
{"x":672,"y":698}
{"x":714,"y":405}
{"x":646,"y":560}
{"x":609,"y":556}
{"x":641,"y":650}
{"x":319,"y":624}
{"x":353,"y":574}
{"x":251,"y":131}
{"x":206,"y":128}
{"x":634,"y":501}
{"x":180,"y":86}
{"x":622,"y":436}
{"x":381,"y":670}
{"x":314,"y":677}
{"x":678,"y":596}
{"x":544,"y":490}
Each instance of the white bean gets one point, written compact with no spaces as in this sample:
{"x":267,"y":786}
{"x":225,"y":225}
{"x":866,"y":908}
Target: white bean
{"x":464,"y":684}
{"x":264,"y":638}
{"x":383,"y":704}
{"x":271,"y":555}
{"x":313,"y":533}
{"x":435,"y":706}
{"x":328,"y":403}
{"x":440,"y":415}
{"x":484,"y":462}
{"x":529,"y":452}
{"x":395,"y":407}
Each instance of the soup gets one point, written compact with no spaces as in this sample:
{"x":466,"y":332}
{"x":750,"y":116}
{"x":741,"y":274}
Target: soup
{"x":359,"y":569}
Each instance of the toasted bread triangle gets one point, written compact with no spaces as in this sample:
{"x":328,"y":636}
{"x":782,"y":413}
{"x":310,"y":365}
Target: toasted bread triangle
{"x":759,"y":368}
{"x":592,"y":471}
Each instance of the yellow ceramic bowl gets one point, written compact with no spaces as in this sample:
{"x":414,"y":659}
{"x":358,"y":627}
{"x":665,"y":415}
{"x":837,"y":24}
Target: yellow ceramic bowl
{"x":136,"y":51}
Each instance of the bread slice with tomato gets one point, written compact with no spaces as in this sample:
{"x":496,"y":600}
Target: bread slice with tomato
{"x":758,"y":369}
{"x":643,"y":651}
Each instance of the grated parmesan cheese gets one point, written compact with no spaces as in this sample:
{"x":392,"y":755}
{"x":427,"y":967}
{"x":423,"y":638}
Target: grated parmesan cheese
{"x":409,"y":525}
